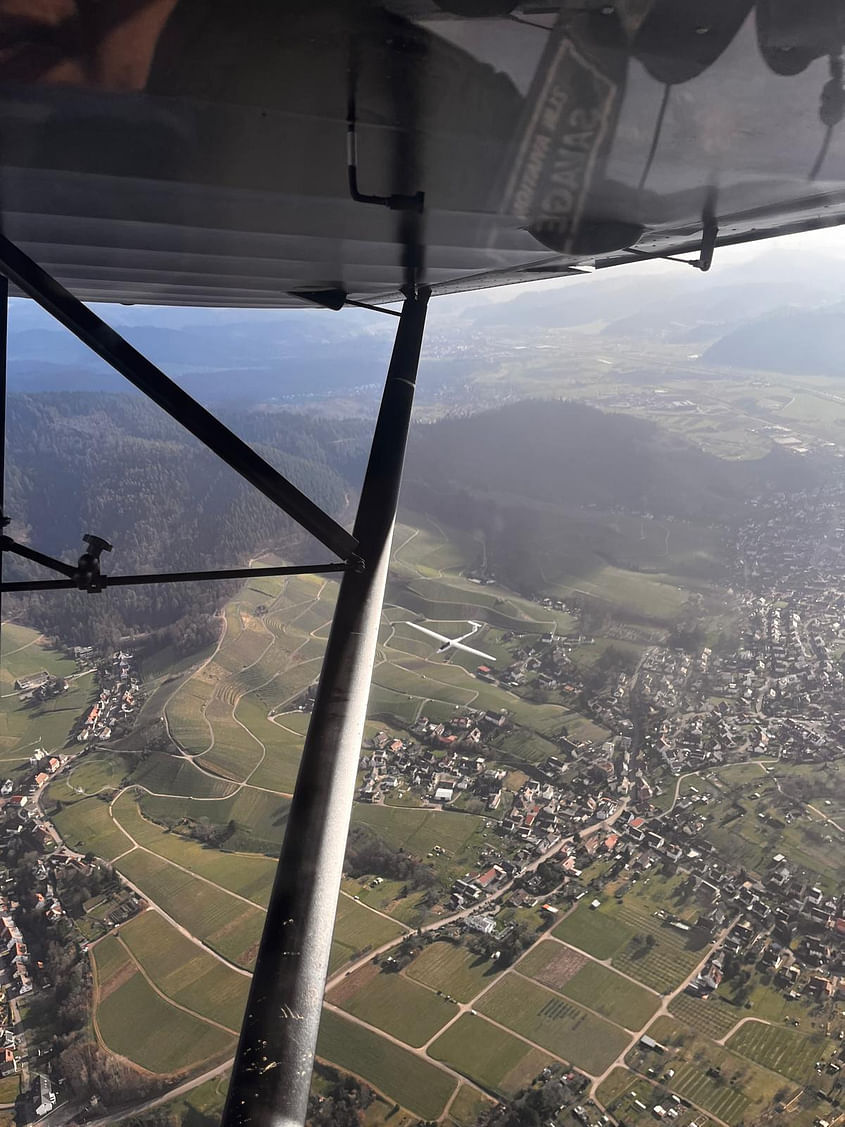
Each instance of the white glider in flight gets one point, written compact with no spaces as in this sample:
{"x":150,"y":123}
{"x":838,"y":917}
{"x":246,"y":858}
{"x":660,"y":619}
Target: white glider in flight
{"x":454,"y":643}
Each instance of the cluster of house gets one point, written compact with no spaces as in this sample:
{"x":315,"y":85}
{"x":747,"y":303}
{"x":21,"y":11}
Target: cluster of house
{"x":795,"y":929}
{"x":14,"y":956}
{"x":120,"y":693}
{"x":777,"y":695}
{"x":40,"y":686}
{"x":543,"y":813}
{"x":545,"y":662}
{"x":443,"y":762}
{"x":45,"y":766}
{"x":19,"y":817}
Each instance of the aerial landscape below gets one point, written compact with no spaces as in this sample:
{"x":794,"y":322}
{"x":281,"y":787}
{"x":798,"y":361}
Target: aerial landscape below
{"x":594,"y":869}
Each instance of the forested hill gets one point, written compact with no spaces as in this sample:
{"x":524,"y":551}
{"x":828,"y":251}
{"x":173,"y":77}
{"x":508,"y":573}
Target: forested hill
{"x":542,"y":479}
{"x":115,"y":465}
{"x":796,"y":341}
{"x":556,"y":450}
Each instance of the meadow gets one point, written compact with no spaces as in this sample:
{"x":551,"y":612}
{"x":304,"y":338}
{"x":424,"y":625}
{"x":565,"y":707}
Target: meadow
{"x":490,"y":1056}
{"x":413,"y":1083}
{"x":452,"y":968}
{"x":565,"y":1029}
{"x":393,"y":1003}
{"x":593,"y":985}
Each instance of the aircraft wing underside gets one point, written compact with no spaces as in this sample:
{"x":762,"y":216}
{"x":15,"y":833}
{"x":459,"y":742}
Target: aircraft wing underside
{"x":195,"y":152}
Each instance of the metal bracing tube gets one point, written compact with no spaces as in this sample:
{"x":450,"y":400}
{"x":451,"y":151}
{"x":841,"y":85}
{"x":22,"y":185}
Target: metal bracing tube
{"x":4,"y":334}
{"x":29,"y":277}
{"x":172,"y":577}
{"x":272,"y":1072}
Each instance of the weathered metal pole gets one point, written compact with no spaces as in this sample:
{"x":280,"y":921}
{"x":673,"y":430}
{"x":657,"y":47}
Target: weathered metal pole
{"x":272,"y":1073}
{"x":4,"y":346}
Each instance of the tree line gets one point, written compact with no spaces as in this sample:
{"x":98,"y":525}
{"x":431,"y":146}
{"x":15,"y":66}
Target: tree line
{"x":117,"y":466}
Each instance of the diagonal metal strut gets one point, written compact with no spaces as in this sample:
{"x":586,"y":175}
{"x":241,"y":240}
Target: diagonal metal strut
{"x":36,"y":283}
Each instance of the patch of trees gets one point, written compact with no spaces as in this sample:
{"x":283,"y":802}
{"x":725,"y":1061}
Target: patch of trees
{"x":530,"y":1108}
{"x":341,"y":1101}
{"x":517,"y":940}
{"x":117,"y":466}
{"x":75,"y":887}
{"x":89,"y":1070}
{"x":367,"y":853}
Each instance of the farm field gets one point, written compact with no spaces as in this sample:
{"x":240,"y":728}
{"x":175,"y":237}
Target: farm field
{"x":237,"y":721}
{"x":714,"y":1094}
{"x":85,"y":825}
{"x":784,"y":1051}
{"x":635,"y":941}
{"x":723,"y":1082}
{"x":357,"y":930}
{"x":563,"y":969}
{"x":159,"y":1037}
{"x":228,"y":925}
{"x":490,"y":1056}
{"x":422,"y":1088}
{"x":184,"y":971}
{"x":622,"y":1089}
{"x":249,"y":876}
{"x":452,"y":968}
{"x":393,"y":1003}
{"x":711,"y":1016}
{"x":562,"y":1027}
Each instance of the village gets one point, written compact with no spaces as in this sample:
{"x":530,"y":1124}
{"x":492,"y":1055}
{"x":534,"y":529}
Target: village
{"x":710,"y":805}
{"x":28,"y":837}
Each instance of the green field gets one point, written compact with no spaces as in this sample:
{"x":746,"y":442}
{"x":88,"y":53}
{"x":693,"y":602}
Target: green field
{"x":713,"y":1094}
{"x":228,"y":925}
{"x":746,"y":830}
{"x":357,"y":930}
{"x":488,"y":1055}
{"x":10,"y":1087}
{"x":452,"y":968}
{"x":784,"y":1051}
{"x":420,"y":1087}
{"x":393,"y":1003}
{"x":258,"y":817}
{"x":98,"y":771}
{"x":136,"y":1022}
{"x":417,"y":831}
{"x":711,"y":1016}
{"x":24,"y":725}
{"x":24,"y":651}
{"x":184,"y":971}
{"x":560,"y":1026}
{"x":85,"y":825}
{"x":248,"y":876}
{"x":467,"y":1107}
{"x":593,"y":985}
{"x":599,"y":934}
{"x":621,"y":931}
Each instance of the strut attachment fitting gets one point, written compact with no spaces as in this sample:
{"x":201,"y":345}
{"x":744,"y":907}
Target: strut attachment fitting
{"x":88,"y":577}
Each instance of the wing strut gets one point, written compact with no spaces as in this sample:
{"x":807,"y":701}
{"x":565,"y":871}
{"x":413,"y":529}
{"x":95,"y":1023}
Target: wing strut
{"x":272,"y":1072}
{"x":120,"y":355}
